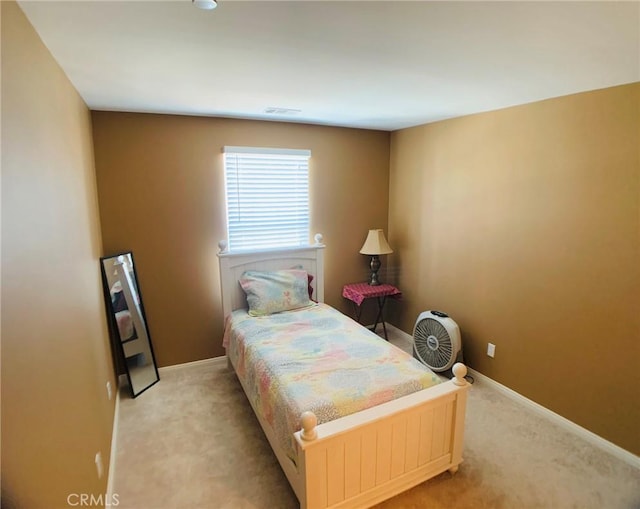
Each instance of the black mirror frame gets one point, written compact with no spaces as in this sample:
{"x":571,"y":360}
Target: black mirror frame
{"x":114,"y":334}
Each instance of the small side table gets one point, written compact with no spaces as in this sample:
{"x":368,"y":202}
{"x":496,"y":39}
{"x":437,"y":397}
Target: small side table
{"x":357,"y":293}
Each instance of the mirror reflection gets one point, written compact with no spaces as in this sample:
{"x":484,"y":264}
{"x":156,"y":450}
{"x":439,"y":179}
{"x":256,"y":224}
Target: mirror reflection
{"x":128,"y":322}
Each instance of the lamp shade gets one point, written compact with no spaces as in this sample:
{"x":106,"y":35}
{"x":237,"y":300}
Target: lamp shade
{"x":376,"y":244}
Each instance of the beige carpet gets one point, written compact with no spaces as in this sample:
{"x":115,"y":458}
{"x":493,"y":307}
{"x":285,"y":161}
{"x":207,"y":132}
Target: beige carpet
{"x":192,"y":441}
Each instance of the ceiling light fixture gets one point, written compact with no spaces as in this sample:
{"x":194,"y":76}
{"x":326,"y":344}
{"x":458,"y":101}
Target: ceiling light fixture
{"x":205,"y":5}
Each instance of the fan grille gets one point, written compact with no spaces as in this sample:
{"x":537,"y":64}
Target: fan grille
{"x":432,"y":344}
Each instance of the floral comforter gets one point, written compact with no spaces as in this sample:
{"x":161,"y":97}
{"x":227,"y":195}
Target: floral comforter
{"x":316,"y":359}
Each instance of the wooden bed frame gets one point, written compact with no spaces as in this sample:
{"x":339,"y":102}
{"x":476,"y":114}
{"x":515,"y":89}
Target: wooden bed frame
{"x":370,"y":456}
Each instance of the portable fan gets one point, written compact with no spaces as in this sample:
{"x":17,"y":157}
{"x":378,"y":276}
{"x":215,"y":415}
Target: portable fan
{"x":436,"y":341}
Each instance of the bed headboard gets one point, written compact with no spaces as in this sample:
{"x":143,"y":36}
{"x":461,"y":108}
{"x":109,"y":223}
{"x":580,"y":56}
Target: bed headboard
{"x":233,"y":265}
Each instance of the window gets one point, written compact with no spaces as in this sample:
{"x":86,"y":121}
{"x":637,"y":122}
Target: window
{"x":267,"y":197}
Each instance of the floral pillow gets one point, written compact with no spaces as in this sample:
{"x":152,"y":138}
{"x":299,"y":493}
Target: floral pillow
{"x":310,"y":279}
{"x":275,"y":291}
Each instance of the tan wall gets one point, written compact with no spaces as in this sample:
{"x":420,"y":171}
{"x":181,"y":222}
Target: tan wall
{"x":523,"y":225}
{"x":161,"y":194}
{"x":55,"y":350}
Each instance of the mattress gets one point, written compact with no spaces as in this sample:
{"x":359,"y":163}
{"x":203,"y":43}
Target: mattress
{"x":316,"y":359}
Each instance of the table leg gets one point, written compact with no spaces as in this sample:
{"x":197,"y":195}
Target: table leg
{"x":357,"y":311}
{"x":380,"y":316}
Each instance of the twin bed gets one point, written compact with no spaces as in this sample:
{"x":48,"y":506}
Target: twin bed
{"x":352,"y":419}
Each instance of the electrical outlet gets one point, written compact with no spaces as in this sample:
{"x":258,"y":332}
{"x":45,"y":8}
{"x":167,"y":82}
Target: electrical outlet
{"x":491,"y":350}
{"x":109,"y":391}
{"x":99,"y":466}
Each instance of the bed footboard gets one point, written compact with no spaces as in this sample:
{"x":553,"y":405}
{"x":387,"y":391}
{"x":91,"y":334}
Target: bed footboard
{"x":362,"y":459}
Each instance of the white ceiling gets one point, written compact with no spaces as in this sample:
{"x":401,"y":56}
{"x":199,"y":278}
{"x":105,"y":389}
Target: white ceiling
{"x":379,"y":65}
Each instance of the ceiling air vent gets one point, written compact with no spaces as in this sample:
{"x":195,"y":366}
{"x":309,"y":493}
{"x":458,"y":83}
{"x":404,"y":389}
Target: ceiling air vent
{"x":281,"y":111}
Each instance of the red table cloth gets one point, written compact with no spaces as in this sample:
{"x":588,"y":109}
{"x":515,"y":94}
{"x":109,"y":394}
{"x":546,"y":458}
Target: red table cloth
{"x":358,"y":292}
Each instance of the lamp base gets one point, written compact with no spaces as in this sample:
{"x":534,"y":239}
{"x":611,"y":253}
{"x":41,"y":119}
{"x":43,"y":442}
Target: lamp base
{"x":375,"y":266}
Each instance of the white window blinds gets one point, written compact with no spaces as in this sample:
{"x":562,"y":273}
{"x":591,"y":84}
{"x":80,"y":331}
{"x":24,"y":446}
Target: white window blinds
{"x":267,"y":197}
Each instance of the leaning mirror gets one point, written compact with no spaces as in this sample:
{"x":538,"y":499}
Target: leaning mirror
{"x":127,"y":321}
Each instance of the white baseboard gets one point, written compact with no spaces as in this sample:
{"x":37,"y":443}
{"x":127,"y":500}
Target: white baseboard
{"x":112,"y":454}
{"x":402,"y":334}
{"x":576,"y":429}
{"x":391,"y":329}
{"x":213,"y":361}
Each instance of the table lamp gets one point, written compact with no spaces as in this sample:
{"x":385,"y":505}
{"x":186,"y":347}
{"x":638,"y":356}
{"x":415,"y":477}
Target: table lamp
{"x":374,"y":246}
